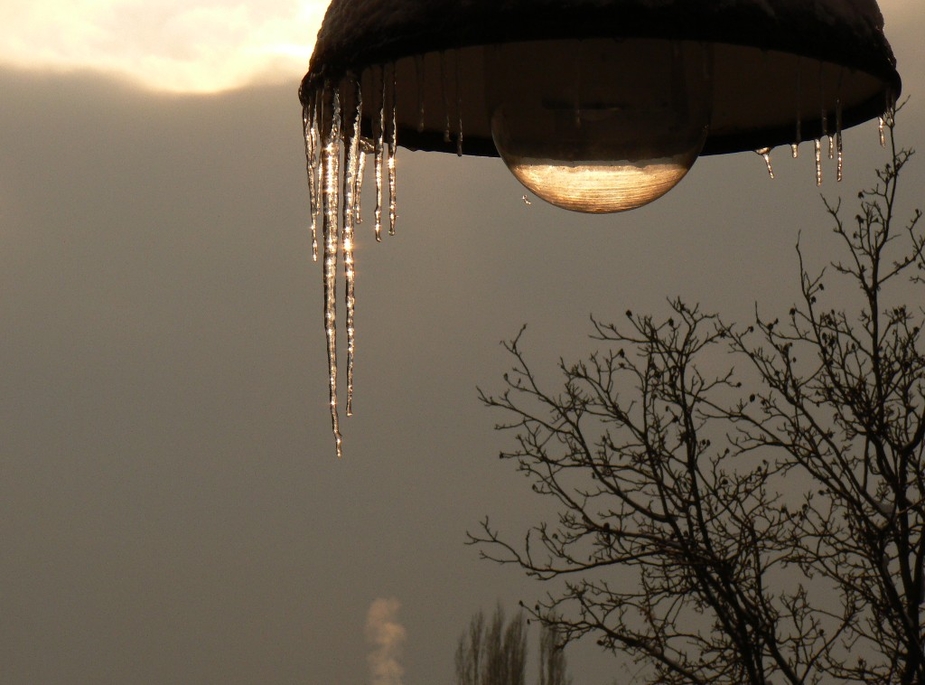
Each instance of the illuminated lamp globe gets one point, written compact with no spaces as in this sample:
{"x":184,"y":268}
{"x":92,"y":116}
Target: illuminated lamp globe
{"x":599,"y":125}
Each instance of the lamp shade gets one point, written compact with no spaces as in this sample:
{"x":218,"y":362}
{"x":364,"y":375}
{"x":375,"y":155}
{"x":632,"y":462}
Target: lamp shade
{"x":774,"y":60}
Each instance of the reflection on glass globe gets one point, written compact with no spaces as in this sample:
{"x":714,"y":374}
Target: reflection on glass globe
{"x":599,"y":125}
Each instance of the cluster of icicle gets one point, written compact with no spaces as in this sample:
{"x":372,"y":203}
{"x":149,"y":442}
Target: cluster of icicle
{"x":833,"y":138}
{"x":835,"y":148}
{"x":335,"y":154}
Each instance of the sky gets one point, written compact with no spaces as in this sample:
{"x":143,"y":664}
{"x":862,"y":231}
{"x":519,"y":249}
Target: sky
{"x":171,"y":509}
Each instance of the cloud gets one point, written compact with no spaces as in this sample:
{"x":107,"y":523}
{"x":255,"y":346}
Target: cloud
{"x":387,"y":636}
{"x":174,"y":45}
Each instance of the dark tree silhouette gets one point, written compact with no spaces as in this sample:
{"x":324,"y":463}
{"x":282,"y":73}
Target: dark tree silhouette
{"x":495,"y":653}
{"x":757,"y":525}
{"x":553,"y":668}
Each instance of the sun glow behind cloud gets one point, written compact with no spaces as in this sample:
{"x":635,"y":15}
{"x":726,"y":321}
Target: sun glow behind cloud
{"x":186,"y":45}
{"x":173,"y":45}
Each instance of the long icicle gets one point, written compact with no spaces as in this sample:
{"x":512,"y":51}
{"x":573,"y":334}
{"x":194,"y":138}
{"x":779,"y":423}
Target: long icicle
{"x":795,"y":145}
{"x":840,"y":163}
{"x":818,"y":155}
{"x":444,"y":91}
{"x":349,"y":208}
{"x":330,"y":172}
{"x":393,"y":148}
{"x":380,"y":149}
{"x":361,"y":172}
{"x":459,"y":113}
{"x":310,"y":129}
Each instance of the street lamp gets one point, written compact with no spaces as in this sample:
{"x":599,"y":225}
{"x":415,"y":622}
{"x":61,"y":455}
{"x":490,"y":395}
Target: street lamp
{"x":594,"y":105}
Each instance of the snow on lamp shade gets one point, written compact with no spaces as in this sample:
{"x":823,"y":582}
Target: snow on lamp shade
{"x":594,"y":105}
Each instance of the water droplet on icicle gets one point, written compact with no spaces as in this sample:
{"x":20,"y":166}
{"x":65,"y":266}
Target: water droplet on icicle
{"x":794,"y":150}
{"x":765,"y":153}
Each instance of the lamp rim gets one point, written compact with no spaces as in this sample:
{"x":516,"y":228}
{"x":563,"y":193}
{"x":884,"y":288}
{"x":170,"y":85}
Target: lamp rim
{"x":359,"y":34}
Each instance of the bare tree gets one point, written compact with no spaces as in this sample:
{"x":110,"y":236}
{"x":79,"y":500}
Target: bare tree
{"x":469,"y":651}
{"x":763,"y":525}
{"x":495,"y":654}
{"x":553,"y":668}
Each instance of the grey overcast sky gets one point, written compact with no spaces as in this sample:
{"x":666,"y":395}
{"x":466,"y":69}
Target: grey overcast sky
{"x":170,"y":507}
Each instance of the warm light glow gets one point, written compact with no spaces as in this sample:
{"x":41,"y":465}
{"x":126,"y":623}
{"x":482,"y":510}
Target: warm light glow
{"x":599,"y":125}
{"x":171,"y":45}
{"x":599,"y":188}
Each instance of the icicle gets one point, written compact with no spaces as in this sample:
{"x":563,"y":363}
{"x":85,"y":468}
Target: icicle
{"x":880,"y":125}
{"x":379,"y":150}
{"x":824,"y":117}
{"x":576,"y":66}
{"x":361,"y":172}
{"x":419,"y":67}
{"x":825,"y":128}
{"x":329,"y":232}
{"x":765,"y":152}
{"x":310,"y":127}
{"x":446,"y":98}
{"x":795,"y":145}
{"x":889,"y":113}
{"x":317,"y":179}
{"x":393,"y":148}
{"x":459,"y":116}
{"x":349,"y":207}
{"x":818,"y":150}
{"x":309,"y":173}
{"x":839,"y":165}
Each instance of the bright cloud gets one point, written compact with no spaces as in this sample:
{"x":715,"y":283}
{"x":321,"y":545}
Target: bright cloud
{"x":176,"y":45}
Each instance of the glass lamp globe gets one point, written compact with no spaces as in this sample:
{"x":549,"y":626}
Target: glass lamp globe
{"x":599,"y":125}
